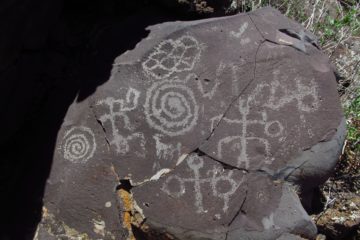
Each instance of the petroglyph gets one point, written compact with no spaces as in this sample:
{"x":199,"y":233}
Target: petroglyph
{"x":79,"y":144}
{"x":171,"y":107}
{"x":213,"y":178}
{"x":172,"y":56}
{"x":306,"y":96}
{"x":166,"y":151}
{"x":240,"y":32}
{"x":240,"y":143}
{"x":117,"y":114}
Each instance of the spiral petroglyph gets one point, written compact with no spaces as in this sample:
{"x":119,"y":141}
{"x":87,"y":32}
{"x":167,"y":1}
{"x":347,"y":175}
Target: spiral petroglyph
{"x":171,"y":107}
{"x":173,"y":56}
{"x":79,"y":144}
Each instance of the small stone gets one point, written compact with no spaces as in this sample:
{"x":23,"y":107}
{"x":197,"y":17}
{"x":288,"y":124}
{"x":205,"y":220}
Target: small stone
{"x":320,"y":237}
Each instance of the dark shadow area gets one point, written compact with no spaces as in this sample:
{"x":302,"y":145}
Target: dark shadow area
{"x":318,"y":201}
{"x":67,"y":53}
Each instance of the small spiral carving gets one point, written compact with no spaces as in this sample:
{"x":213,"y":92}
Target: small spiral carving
{"x":79,"y":144}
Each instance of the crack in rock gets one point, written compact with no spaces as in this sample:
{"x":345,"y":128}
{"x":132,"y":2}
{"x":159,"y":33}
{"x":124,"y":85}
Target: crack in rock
{"x":101,"y":125}
{"x":236,"y":98}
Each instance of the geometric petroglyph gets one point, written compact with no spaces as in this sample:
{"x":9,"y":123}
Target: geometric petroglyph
{"x":117,"y":115}
{"x":172,"y":56}
{"x":306,"y":96}
{"x":79,"y":144}
{"x":171,"y":107}
{"x":241,"y":31}
{"x":213,"y":178}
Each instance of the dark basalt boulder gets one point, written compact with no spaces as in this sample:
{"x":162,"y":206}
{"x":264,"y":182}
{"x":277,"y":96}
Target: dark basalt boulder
{"x":205,"y":130}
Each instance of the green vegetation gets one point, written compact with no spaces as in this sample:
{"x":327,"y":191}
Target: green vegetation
{"x":334,"y":29}
{"x":353,"y":122}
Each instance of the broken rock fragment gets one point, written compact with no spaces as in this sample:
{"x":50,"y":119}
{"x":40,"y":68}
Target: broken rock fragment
{"x":201,"y":132}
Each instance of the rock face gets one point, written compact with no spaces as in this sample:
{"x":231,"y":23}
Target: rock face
{"x":202,"y":132}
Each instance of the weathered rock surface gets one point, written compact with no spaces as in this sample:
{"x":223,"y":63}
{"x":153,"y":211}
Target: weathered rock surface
{"x":201,"y":132}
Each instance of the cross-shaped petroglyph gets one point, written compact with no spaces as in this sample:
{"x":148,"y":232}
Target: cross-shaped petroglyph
{"x":271,"y":129}
{"x":118,"y":109}
{"x":213,"y":179}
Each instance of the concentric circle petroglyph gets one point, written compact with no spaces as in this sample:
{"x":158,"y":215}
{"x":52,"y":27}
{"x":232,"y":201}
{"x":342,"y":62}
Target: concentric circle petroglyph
{"x":79,"y":144}
{"x":173,"y":56}
{"x":171,"y":107}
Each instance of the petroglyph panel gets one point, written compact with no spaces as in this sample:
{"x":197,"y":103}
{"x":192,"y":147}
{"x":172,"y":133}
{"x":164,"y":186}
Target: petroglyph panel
{"x":206,"y":121}
{"x":172,"y":56}
{"x":79,"y":144}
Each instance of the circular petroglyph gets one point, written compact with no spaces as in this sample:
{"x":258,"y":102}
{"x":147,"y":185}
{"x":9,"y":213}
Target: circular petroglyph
{"x":174,"y":186}
{"x":79,"y":144}
{"x":223,"y":186}
{"x":171,"y":107}
{"x":273,"y":128}
{"x":173,"y":56}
